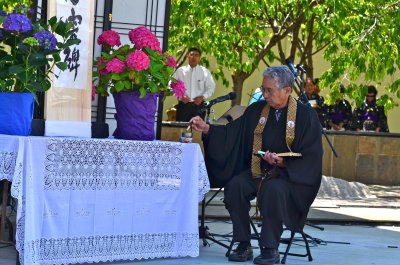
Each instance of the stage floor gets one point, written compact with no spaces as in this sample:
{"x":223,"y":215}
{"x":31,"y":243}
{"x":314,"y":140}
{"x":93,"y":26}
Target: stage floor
{"x":339,"y":244}
{"x":356,"y":231}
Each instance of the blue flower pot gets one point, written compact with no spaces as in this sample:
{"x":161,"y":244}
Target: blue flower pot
{"x":16,"y":112}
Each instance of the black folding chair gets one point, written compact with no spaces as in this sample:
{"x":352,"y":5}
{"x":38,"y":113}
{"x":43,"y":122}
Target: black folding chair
{"x":289,"y":241}
{"x":304,"y":239}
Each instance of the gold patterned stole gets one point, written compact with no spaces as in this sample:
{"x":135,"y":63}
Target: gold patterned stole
{"x":257,"y":138}
{"x":257,"y":141}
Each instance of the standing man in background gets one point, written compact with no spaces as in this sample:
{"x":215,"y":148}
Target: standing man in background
{"x":199,"y":86}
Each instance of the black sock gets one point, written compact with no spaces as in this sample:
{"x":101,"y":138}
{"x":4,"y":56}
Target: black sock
{"x":245,"y":243}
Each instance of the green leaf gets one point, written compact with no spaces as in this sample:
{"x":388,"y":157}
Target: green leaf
{"x":35,"y":86}
{"x":119,"y":86}
{"x":37,"y":60}
{"x":116,"y":77}
{"x":143,"y":92}
{"x":62,"y":66}
{"x":71,"y":42}
{"x":16,"y":69}
{"x":52,"y":21}
{"x":153,"y":87}
{"x":127,"y":84}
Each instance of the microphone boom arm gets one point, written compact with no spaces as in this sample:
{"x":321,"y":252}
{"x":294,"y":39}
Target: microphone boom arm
{"x":304,"y":98}
{"x":207,"y":105}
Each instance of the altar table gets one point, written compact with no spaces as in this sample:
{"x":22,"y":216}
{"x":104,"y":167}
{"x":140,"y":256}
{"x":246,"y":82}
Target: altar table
{"x":92,"y":200}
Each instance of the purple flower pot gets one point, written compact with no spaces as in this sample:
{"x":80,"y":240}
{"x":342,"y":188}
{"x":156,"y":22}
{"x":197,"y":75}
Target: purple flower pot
{"x":135,"y":116}
{"x":16,"y":112}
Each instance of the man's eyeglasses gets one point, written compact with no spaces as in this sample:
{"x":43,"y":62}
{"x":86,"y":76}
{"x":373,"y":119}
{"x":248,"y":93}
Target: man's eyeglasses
{"x":270,"y":91}
{"x":370,"y":96}
{"x":267,"y":90}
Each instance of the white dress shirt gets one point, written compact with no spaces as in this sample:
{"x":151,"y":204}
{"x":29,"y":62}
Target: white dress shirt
{"x":198,"y":81}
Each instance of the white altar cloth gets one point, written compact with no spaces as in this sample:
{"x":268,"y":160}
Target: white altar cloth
{"x":92,"y":200}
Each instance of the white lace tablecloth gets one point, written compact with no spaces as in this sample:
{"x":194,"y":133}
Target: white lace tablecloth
{"x":9,"y":149}
{"x":92,"y":200}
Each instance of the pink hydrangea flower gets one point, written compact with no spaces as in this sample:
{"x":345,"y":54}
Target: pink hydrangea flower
{"x":171,"y":62}
{"x":116,"y":66}
{"x":109,"y":37}
{"x":103,"y":71}
{"x":138,"y":60}
{"x":142,"y":37}
{"x":178,"y":88}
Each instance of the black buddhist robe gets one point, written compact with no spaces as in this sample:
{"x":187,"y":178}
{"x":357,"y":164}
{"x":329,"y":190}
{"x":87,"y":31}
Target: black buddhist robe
{"x":229,"y":150}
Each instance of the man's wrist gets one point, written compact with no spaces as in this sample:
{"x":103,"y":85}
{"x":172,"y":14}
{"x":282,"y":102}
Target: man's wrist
{"x":206,"y":129}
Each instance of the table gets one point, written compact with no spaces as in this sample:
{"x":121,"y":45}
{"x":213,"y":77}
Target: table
{"x":7,"y":168}
{"x":92,"y":200}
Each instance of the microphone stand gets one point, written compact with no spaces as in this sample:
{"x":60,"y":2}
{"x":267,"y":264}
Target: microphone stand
{"x":303,"y":98}
{"x":204,"y":232}
{"x":207,"y":117}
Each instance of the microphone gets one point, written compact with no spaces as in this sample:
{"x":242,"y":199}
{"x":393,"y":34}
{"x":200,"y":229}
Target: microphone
{"x":301,"y":68}
{"x":292,"y":68}
{"x":230,"y":96}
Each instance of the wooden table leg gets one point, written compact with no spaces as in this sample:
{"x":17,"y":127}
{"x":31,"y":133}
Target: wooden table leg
{"x":3,"y":222}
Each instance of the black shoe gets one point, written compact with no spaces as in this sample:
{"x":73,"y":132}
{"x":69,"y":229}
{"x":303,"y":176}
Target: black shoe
{"x":243,"y":252}
{"x":268,"y":256}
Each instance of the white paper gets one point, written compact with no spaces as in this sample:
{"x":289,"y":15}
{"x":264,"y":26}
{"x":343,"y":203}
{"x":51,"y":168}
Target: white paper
{"x":76,"y":76}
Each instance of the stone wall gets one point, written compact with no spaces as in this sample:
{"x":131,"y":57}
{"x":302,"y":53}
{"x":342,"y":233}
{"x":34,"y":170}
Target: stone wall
{"x":369,"y":158}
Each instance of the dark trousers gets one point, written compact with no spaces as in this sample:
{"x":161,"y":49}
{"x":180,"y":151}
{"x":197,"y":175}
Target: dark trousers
{"x":184,"y":112}
{"x":275,"y":205}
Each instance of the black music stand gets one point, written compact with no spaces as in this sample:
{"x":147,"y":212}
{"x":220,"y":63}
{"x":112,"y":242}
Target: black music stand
{"x":232,"y":114}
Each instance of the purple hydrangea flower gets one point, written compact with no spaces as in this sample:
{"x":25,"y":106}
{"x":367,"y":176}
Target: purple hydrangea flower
{"x":18,"y":23}
{"x":3,"y":13}
{"x":46,"y":39}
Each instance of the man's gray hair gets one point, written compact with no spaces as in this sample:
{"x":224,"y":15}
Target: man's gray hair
{"x":282,"y":76}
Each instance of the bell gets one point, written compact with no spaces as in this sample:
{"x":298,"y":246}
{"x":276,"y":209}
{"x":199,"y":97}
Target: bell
{"x":171,"y":114}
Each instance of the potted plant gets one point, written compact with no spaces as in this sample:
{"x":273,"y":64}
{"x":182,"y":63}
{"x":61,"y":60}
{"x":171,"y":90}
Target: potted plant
{"x":29,"y":53}
{"x":136,"y":75}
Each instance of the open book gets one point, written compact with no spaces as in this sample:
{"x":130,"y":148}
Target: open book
{"x":287,"y":154}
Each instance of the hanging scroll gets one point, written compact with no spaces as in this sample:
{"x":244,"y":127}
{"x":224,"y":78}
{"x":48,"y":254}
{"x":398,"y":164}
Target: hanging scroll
{"x":69,"y":99}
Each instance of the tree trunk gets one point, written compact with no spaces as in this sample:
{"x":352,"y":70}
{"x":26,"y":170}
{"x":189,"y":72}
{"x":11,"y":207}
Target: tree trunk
{"x":238,"y":79}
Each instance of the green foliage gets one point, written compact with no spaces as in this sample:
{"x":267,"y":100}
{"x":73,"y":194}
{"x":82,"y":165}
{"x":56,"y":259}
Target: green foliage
{"x":8,"y":5}
{"x":358,"y":38}
{"x":26,"y":64}
{"x":366,"y":46}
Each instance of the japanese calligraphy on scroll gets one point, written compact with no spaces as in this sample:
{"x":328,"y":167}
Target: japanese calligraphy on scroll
{"x":70,"y":95}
